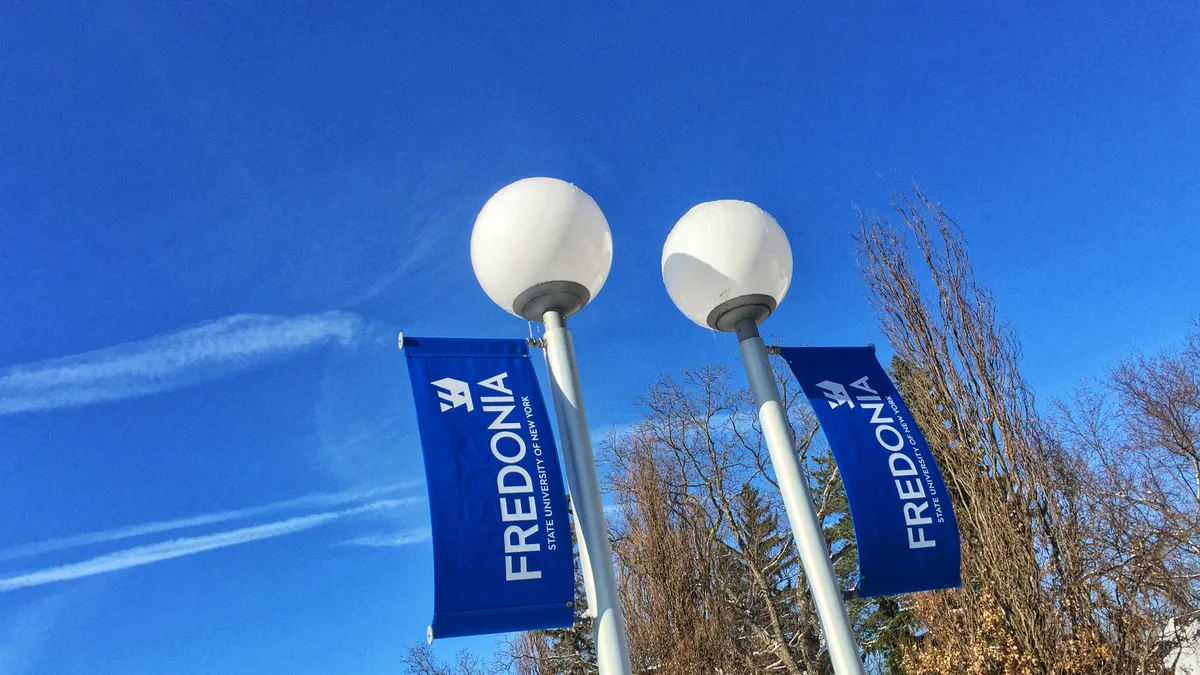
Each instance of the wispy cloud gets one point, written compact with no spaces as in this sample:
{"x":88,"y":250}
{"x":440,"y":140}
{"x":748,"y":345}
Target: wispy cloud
{"x":24,"y":635}
{"x":389,"y":539}
{"x":184,"y":358}
{"x":178,"y":548}
{"x":613,"y":432}
{"x":142,"y":529}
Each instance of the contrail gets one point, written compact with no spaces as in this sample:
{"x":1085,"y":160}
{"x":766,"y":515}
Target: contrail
{"x":388,"y":540}
{"x":131,"y":531}
{"x":177,"y":548}
{"x":184,"y":358}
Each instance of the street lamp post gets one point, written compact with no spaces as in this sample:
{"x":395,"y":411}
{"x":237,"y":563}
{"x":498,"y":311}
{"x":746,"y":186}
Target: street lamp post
{"x":542,"y":249}
{"x":727,"y":265}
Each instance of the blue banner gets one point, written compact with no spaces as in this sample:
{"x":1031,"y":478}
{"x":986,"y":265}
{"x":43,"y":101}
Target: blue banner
{"x":502,"y":556}
{"x":903,"y":523}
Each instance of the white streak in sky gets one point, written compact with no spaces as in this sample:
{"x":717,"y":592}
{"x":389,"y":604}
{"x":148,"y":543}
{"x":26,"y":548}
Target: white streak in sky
{"x":130,"y":531}
{"x":184,"y":358}
{"x":386,"y":540}
{"x":177,"y":548}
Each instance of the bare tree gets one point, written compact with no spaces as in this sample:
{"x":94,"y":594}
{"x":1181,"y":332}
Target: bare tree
{"x":710,"y":577}
{"x":420,"y":660}
{"x":1159,"y":399}
{"x":1048,"y":582}
{"x":1136,"y":431}
{"x":959,"y":367}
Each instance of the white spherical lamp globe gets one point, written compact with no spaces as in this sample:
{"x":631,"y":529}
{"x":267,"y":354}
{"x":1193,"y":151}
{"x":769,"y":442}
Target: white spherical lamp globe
{"x":541,"y":244}
{"x":725,"y":262}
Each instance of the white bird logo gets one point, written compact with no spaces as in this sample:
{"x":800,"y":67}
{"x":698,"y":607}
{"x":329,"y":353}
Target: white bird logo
{"x":454,"y":393}
{"x":836,"y":393}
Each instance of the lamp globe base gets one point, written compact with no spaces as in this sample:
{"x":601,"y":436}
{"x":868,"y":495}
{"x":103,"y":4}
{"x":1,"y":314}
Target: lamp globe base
{"x":565,"y":297}
{"x":726,"y":316}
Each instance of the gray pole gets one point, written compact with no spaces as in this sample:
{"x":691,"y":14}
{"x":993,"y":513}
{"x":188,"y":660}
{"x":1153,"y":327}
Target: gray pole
{"x":569,"y":458}
{"x":612,"y":650}
{"x":802,"y":515}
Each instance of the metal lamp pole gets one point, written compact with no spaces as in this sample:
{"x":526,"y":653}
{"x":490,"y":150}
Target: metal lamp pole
{"x":542,"y":249}
{"x":801,"y":513}
{"x":727,"y":265}
{"x":612,"y":651}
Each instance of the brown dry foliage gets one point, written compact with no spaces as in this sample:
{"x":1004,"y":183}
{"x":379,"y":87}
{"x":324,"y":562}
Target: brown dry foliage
{"x":710,"y":584}
{"x":1050,"y":585}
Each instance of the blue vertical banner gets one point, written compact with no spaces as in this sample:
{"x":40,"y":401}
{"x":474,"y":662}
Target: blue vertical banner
{"x":502,"y":554}
{"x":904,"y":525}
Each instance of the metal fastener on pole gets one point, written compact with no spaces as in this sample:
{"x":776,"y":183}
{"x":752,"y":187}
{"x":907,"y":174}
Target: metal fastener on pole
{"x":797,"y":501}
{"x":612,"y":652}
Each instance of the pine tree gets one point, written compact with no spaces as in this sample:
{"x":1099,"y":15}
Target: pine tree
{"x":757,"y":568}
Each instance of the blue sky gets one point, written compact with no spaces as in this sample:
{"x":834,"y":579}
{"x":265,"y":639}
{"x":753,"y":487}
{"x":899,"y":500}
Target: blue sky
{"x":214,"y":220}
